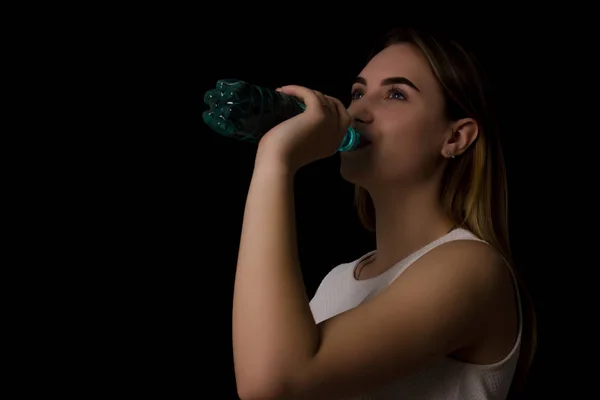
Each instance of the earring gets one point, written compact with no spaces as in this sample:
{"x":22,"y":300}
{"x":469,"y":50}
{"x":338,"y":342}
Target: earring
{"x":449,"y":154}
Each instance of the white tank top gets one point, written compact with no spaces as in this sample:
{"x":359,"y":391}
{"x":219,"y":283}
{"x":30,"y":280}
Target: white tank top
{"x":446,"y":378}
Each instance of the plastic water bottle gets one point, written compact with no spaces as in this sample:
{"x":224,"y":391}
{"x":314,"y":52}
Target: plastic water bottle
{"x":246,"y":112}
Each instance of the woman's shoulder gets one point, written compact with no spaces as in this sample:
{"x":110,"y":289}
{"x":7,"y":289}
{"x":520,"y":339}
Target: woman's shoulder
{"x":468,"y":254}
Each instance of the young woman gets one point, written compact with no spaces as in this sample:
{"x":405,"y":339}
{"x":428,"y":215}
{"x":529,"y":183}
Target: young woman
{"x":436,"y":311}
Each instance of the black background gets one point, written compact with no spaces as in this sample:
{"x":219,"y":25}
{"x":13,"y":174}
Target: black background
{"x":174,"y":203}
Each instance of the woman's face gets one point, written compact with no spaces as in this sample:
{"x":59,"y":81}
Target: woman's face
{"x":398,"y":105}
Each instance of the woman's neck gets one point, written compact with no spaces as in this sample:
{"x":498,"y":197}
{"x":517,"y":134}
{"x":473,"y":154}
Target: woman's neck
{"x":407,"y":220}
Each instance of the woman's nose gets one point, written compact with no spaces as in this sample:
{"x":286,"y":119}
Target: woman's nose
{"x":360,"y":112}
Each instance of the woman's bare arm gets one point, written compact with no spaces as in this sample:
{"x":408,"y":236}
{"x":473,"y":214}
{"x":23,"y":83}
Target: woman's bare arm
{"x":274,"y":332}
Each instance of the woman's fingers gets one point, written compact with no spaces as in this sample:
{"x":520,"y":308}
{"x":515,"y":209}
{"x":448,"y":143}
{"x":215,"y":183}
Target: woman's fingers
{"x":341,"y":111}
{"x":305,"y":95}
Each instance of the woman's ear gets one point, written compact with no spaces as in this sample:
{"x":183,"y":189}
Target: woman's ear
{"x":463,"y":133}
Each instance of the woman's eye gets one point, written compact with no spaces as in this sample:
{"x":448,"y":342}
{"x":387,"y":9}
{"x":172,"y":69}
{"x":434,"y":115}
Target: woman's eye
{"x":396,"y":94}
{"x":356,"y":94}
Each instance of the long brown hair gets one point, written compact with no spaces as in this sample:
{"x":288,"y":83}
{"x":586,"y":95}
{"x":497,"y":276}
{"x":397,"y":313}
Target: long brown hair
{"x":474,"y":188}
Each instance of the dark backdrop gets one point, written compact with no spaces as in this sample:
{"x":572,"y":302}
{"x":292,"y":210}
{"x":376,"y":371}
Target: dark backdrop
{"x":182,"y":225}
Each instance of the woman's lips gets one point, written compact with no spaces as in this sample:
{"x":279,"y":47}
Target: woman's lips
{"x":364,"y":143}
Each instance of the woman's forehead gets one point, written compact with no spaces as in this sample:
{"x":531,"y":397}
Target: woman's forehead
{"x":398,"y":60}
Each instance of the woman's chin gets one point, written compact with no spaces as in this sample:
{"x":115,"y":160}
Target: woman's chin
{"x":353,"y":172}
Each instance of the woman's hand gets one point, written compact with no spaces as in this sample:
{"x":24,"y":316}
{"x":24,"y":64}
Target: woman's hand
{"x":310,"y":136}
